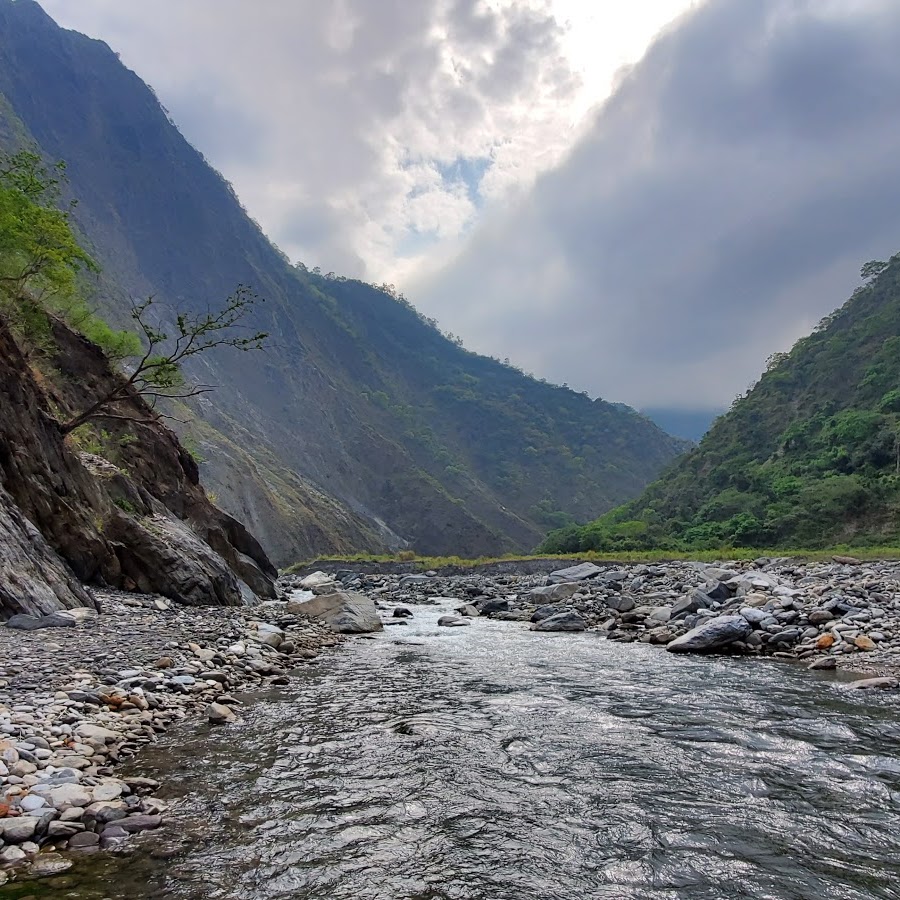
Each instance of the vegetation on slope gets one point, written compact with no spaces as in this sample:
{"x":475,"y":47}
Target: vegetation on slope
{"x":357,"y":396}
{"x":810,"y":456}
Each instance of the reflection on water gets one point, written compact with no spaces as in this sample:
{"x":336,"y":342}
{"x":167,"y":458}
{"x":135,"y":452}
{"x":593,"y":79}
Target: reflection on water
{"x":493,"y":762}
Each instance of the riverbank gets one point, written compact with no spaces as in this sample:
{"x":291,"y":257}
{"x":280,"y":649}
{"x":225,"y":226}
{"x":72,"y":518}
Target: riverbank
{"x":76,"y":701}
{"x":842,"y":612}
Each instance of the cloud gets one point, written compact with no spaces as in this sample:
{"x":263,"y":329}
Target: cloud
{"x":340,"y":123}
{"x":720,"y":202}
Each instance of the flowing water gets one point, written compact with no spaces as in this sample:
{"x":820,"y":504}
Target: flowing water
{"x":494,"y":762}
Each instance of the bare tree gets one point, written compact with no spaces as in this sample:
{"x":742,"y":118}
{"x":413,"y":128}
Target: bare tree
{"x":157,"y":374}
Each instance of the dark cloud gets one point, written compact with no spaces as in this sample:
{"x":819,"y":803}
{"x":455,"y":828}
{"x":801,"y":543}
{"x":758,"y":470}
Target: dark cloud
{"x":718,"y":205}
{"x":332,"y":118}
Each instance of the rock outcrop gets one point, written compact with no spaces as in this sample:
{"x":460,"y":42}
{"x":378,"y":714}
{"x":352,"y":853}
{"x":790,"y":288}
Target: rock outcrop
{"x":141,"y":522}
{"x":33,"y":579}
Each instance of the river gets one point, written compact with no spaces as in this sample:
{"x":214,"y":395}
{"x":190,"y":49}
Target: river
{"x":491,"y":762}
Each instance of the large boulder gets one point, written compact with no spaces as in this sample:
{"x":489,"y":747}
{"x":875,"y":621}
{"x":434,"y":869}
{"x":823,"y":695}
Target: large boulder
{"x":544,"y":612}
{"x":568,"y":620}
{"x":553,"y":593}
{"x":346,"y":612}
{"x":712,"y":634}
{"x":576,"y":573}
{"x":489,"y":606}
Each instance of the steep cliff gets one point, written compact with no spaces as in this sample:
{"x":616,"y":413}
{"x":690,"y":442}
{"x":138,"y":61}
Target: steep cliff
{"x":362,"y":426}
{"x":134,"y":517}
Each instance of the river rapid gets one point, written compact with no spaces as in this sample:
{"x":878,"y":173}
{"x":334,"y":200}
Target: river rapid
{"x":489,"y":762}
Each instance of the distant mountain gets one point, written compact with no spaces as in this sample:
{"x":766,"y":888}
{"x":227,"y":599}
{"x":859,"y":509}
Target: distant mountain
{"x":690,"y":424}
{"x":810,"y":457}
{"x":361,"y":427}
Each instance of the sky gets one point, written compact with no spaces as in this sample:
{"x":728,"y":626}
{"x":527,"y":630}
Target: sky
{"x":642,"y":200}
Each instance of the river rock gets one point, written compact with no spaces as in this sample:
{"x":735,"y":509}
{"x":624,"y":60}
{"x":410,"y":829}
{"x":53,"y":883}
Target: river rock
{"x":62,"y":830}
{"x":316,"y":580}
{"x":712,"y":634}
{"x":825,"y":662}
{"x":84,"y":839}
{"x":401,"y":612}
{"x":568,"y":620}
{"x":32,"y":802}
{"x":23,"y":622}
{"x":15,"y":831}
{"x":139,"y":823}
{"x":96,"y":733}
{"x":408,"y":581}
{"x":693,"y":602}
{"x":553,"y":593}
{"x":468,"y":610}
{"x":219,"y":714}
{"x":344,"y":612}
{"x":488,"y":606}
{"x":68,"y":795}
{"x":619,"y":602}
{"x":754,"y":616}
{"x":47,"y":864}
{"x":451,"y":622}
{"x":883,"y":683}
{"x":544,"y":612}
{"x":576,"y":573}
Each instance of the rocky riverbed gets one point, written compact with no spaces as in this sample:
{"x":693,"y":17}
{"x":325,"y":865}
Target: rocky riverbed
{"x":88,"y":692}
{"x":77,"y":700}
{"x":842,"y":613}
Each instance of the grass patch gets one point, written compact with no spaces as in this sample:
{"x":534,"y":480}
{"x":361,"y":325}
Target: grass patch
{"x":637,"y":556}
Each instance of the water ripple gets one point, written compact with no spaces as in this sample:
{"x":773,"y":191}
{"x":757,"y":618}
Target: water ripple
{"x":491,"y":762}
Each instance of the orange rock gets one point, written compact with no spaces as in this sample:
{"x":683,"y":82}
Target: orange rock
{"x":864,"y":642}
{"x":824,"y":642}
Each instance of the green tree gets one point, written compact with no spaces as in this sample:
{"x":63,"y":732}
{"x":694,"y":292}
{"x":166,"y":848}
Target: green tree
{"x":41,"y":259}
{"x":39,"y":256}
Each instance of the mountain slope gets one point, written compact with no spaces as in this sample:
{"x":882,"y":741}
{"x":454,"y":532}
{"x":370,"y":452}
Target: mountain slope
{"x":810,"y":457}
{"x":361,"y":426}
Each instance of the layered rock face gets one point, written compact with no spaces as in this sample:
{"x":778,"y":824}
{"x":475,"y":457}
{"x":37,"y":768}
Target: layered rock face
{"x":141,"y":522}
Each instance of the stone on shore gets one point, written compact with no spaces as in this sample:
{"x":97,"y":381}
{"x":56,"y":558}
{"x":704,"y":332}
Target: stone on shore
{"x":824,"y":663}
{"x":568,"y":620}
{"x":18,"y":830}
{"x":133,"y":824}
{"x":544,"y":612}
{"x":47,"y":864}
{"x":884,"y":683}
{"x":713,"y":634}
{"x":576,"y":573}
{"x":219,"y":714}
{"x":344,"y":612}
{"x":553,"y":593}
{"x":22,"y":622}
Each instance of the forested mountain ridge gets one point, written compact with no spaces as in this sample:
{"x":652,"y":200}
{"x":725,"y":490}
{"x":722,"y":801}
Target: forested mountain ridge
{"x":809,"y":457}
{"x":361,"y":426}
